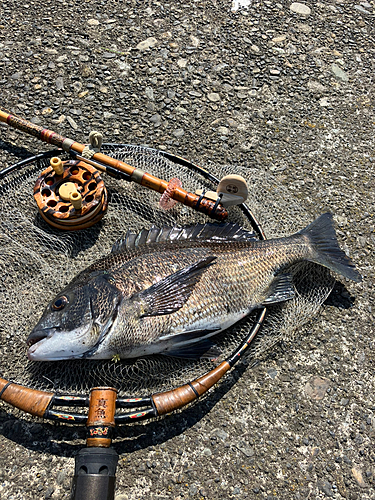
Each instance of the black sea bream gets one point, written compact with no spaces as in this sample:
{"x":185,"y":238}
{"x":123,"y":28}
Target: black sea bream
{"x":168,"y":290}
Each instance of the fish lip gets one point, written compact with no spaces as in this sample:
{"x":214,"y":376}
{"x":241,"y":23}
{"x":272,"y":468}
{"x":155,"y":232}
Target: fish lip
{"x":41,"y":334}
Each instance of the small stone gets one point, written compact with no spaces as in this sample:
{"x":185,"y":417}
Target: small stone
{"x":255,"y":49}
{"x":156,"y":120}
{"x":194,"y":41}
{"x":300,"y":8}
{"x":317,"y":387}
{"x":77,"y":86}
{"x":193,"y":490}
{"x":246,"y":449}
{"x":344,"y":401}
{"x":46,"y":111}
{"x":223,"y":130}
{"x":49,"y":492}
{"x":59,"y":83}
{"x":62,"y":58}
{"x":220,"y":67}
{"x":182,"y":63}
{"x":61,"y":476}
{"x":213,"y":97}
{"x":179,"y":132}
{"x":279,"y":39}
{"x":207,"y":452}
{"x":339,"y":73}
{"x":16,"y":76}
{"x":149,"y":93}
{"x":221,"y":434}
{"x":121,"y":496}
{"x":72,"y":123}
{"x":357,"y":474}
{"x":60,"y":119}
{"x":272,"y":372}
{"x":108,"y":55}
{"x":232,"y":123}
{"x":194,"y":93}
{"x":147,"y":44}
{"x":325,"y":487}
{"x":362,"y":10}
{"x":274,"y":72}
{"x":86,"y":71}
{"x":93,"y":22}
{"x":315,"y":86}
{"x":323,"y":102}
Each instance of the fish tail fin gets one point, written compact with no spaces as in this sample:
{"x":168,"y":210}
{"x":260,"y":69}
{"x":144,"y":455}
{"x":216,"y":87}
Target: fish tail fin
{"x":326,"y":251}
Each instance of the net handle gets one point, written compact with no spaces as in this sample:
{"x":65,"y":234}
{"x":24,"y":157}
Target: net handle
{"x":29,"y":400}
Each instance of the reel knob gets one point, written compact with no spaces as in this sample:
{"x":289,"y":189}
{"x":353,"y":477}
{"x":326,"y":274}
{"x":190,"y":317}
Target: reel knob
{"x":232,"y":190}
{"x":70,"y":195}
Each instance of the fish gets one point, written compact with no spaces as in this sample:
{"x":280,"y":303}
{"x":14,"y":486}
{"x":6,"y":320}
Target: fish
{"x":169,"y":290}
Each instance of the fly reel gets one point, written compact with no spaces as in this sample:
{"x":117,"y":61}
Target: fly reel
{"x":70,"y":195}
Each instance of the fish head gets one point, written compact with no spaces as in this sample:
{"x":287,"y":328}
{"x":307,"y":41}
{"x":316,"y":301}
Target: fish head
{"x":77,"y":320}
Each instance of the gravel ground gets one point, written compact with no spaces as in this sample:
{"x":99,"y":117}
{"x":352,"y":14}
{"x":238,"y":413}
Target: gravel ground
{"x":282,"y":91}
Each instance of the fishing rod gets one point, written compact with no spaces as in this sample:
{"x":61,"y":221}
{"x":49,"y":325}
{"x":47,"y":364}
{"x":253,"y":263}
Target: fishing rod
{"x":118,"y":168}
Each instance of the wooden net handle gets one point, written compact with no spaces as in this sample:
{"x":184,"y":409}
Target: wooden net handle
{"x":167,"y":402}
{"x":29,"y":400}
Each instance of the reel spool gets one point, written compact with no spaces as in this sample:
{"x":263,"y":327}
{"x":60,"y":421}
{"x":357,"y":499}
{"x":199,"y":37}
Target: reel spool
{"x":70,"y":195}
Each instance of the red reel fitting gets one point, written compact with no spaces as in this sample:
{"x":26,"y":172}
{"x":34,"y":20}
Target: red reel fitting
{"x":70,"y":195}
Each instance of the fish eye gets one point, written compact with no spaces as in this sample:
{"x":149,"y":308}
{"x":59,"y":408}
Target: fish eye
{"x":60,"y":303}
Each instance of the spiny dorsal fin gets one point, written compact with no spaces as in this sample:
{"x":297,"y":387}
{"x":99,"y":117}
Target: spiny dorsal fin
{"x":201,"y":232}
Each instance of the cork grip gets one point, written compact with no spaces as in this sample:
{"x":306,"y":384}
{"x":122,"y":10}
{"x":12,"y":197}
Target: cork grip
{"x":29,"y":400}
{"x":167,"y":402}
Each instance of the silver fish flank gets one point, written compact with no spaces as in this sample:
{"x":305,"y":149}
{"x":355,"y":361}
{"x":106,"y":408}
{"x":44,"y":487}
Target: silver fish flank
{"x":169,"y":290}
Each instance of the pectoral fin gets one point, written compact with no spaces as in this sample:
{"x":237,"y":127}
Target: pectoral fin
{"x":170,"y":294}
{"x":281,"y":289}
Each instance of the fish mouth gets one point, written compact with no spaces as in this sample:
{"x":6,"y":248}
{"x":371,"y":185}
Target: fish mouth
{"x":38,"y":335}
{"x":36,"y":338}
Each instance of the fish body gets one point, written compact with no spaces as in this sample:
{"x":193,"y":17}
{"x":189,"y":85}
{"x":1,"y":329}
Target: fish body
{"x":168,"y":290}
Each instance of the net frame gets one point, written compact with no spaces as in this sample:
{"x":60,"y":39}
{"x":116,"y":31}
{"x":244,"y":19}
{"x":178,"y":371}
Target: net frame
{"x":44,"y":403}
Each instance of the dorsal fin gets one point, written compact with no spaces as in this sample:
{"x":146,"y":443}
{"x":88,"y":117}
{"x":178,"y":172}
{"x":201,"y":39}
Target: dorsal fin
{"x":201,"y":232}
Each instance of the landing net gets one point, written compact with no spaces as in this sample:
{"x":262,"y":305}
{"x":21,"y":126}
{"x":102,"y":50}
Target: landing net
{"x":36,"y":261}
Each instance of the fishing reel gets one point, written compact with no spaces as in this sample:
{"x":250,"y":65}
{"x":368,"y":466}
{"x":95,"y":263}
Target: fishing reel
{"x":70,"y":195}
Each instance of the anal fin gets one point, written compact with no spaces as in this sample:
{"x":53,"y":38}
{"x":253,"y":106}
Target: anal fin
{"x":281,"y":289}
{"x":203,"y":349}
